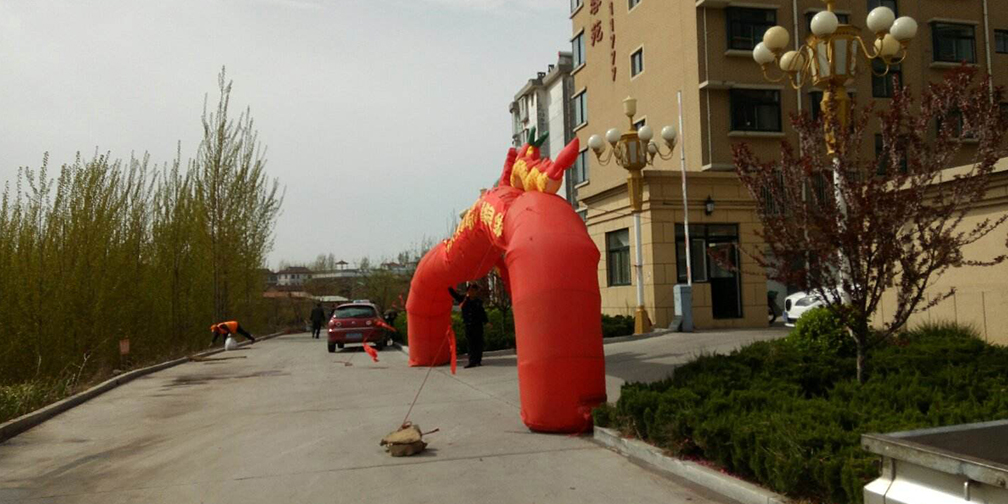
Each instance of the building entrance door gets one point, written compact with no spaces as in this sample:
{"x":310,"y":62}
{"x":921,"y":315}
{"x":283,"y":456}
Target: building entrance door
{"x":725,"y":282}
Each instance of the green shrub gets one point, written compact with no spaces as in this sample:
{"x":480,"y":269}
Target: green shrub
{"x":22,"y":398}
{"x":499,"y":335}
{"x":821,"y":330}
{"x":790,"y":416}
{"x":617,"y":325}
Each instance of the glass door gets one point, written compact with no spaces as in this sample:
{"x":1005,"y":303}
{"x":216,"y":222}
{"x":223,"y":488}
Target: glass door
{"x":725,"y":281}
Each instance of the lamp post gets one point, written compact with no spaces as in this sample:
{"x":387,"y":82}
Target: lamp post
{"x":634,"y":150}
{"x":828,"y":60}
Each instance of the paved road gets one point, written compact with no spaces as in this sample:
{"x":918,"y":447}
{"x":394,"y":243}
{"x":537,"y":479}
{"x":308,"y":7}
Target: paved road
{"x":285,"y":421}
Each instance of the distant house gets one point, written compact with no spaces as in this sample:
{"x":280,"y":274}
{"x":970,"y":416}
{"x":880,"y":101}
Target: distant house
{"x":331,"y":299}
{"x":269,"y":277}
{"x":278,"y":294}
{"x":399,"y":269}
{"x":340,"y":273}
{"x":292,"y":276}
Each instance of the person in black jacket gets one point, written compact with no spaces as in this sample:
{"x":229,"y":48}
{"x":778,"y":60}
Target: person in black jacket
{"x":474,"y":317}
{"x":317,"y":318}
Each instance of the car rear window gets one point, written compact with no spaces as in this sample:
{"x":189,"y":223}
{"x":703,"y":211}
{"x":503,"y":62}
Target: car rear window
{"x":355,"y":312}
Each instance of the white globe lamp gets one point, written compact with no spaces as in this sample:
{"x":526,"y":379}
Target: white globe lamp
{"x":904,"y":29}
{"x":645,"y":133}
{"x":612,"y":136}
{"x":668,"y":133}
{"x":880,"y":19}
{"x":825,"y":24}
{"x":792,"y":61}
{"x":762,"y":55}
{"x":776,"y":38}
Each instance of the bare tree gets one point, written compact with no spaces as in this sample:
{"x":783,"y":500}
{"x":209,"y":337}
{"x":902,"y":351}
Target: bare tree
{"x":901,"y":225}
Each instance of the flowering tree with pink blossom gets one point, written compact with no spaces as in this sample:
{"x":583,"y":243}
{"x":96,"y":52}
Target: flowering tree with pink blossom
{"x":847,"y":227}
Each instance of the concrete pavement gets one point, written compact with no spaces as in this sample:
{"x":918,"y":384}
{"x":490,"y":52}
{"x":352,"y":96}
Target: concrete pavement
{"x":653,"y":359}
{"x":285,"y":421}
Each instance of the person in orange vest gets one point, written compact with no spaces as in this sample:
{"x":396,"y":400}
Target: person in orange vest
{"x":227,"y":328}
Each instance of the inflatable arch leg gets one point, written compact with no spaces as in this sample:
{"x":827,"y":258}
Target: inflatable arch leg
{"x":551,"y":267}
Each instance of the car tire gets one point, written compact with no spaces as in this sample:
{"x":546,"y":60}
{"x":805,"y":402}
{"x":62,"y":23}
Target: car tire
{"x":339,"y":345}
{"x":380,"y":345}
{"x":332,"y":347}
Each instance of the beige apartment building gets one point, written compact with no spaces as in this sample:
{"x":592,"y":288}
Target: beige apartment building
{"x":652,"y":49}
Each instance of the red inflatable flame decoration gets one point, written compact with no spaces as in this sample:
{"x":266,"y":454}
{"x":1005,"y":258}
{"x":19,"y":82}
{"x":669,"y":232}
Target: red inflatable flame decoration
{"x":550,"y":267}
{"x":371,"y":351}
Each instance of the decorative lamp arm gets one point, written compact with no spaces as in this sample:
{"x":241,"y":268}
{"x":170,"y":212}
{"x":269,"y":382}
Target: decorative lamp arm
{"x":766,"y":74}
{"x":654,"y":150}
{"x":603,"y":155}
{"x":877,"y":52}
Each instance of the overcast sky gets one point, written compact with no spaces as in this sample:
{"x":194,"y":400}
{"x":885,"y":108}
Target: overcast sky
{"x":381,"y":117}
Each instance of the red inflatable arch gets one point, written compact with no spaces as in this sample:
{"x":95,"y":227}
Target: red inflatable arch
{"x":550,"y":266}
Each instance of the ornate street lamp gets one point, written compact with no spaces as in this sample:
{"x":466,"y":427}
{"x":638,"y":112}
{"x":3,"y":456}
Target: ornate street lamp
{"x":828,"y":60}
{"x":634,"y":150}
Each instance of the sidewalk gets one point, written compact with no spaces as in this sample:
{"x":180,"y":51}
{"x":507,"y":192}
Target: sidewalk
{"x":654,"y":358}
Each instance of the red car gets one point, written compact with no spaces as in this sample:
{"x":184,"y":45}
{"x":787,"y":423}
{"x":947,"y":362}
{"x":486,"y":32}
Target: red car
{"x":356,"y":322}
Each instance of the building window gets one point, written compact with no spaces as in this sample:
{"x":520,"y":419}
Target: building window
{"x":755,"y":110}
{"x":815,"y":104}
{"x":578,"y":49}
{"x":579,"y":173}
{"x":698,"y":259}
{"x":882,"y":85}
{"x":637,"y":62}
{"x":583,"y":213}
{"x":746,"y":26}
{"x":844,"y":19}
{"x":884,"y":162}
{"x":820,"y":190}
{"x":1001,"y":41}
{"x":580,"y":108}
{"x":632,"y":3}
{"x":954,"y":43}
{"x":774,"y":196}
{"x":618,"y":257}
{"x":639,"y":124}
{"x":958,"y":125}
{"x":892,"y":4}
{"x":702,"y":238}
{"x":575,"y":4}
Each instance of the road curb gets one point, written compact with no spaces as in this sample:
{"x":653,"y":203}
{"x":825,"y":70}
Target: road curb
{"x":24,"y":422}
{"x":711,"y":479}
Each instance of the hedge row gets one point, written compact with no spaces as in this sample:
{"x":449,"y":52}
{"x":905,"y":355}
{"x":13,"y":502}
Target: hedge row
{"x":789,"y":415}
{"x":500,"y":334}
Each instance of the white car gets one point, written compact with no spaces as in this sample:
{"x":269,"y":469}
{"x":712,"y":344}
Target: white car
{"x":797,"y":304}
